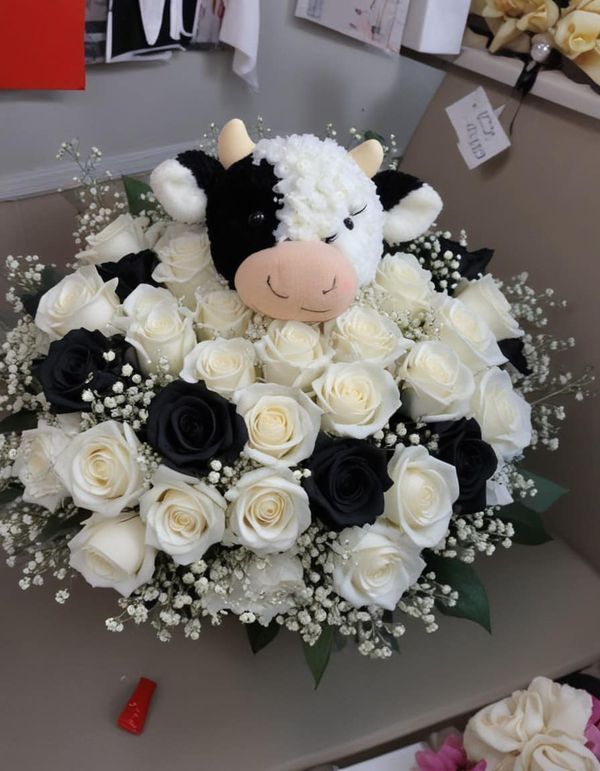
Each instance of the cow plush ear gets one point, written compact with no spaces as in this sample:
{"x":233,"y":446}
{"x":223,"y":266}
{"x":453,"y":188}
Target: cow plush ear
{"x":410,"y":205}
{"x":181,"y":184}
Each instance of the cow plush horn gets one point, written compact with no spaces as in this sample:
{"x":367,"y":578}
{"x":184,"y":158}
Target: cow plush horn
{"x":368,"y":155}
{"x":234,"y":143}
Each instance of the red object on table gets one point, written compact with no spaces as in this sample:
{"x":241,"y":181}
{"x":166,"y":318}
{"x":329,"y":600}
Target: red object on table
{"x":134,"y":715}
{"x":42,"y":44}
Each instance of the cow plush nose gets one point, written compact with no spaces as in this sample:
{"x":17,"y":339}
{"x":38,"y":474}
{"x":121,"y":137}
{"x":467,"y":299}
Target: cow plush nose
{"x":299,"y":280}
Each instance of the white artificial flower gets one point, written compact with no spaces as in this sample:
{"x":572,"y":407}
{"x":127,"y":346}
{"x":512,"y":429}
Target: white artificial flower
{"x":185,"y":262}
{"x":505,"y":728}
{"x":555,"y":752}
{"x":269,"y":587}
{"x":183,"y":515}
{"x":268,"y":510}
{"x":363,"y":334}
{"x":436,"y":384}
{"x":375,"y":565}
{"x":405,"y":285}
{"x":485,"y":298}
{"x":157,"y":327}
{"x":124,"y":235}
{"x":502,"y":413}
{"x":79,"y":300}
{"x":282,"y":423}
{"x":466,"y":332}
{"x":357,"y":399}
{"x":221,"y":313}
{"x":35,"y":463}
{"x":112,"y":553}
{"x":293,"y":353}
{"x":100,"y":470}
{"x":420,"y":501}
{"x":225,"y":366}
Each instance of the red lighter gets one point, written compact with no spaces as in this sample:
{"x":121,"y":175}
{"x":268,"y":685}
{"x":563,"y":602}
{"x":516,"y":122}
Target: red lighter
{"x":133,"y":717}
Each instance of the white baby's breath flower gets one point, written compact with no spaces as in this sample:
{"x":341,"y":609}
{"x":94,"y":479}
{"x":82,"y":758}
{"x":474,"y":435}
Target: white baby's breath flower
{"x":79,"y":300}
{"x":268,"y":511}
{"x":357,"y":399}
{"x":112,"y":553}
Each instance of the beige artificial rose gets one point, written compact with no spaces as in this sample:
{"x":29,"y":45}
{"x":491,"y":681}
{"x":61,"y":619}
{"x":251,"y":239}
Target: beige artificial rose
{"x":225,"y":366}
{"x":293,"y":353}
{"x":122,"y":236}
{"x":577,"y":36}
{"x":363,"y":334}
{"x":221,"y":313}
{"x":509,"y":19}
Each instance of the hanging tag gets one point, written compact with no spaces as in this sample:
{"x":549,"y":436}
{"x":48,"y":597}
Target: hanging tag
{"x":480,"y":135}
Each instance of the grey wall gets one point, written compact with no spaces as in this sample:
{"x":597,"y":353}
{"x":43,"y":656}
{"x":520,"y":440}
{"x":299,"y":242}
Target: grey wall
{"x":308,"y":76}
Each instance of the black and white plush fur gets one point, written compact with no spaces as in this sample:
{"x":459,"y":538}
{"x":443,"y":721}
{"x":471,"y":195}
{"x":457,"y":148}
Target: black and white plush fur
{"x":298,"y":188}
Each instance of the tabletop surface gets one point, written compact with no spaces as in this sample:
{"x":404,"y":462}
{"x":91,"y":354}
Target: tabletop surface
{"x":219,"y":708}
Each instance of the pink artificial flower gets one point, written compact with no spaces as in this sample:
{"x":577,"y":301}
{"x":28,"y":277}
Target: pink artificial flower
{"x":450,"y":757}
{"x":592,"y":732}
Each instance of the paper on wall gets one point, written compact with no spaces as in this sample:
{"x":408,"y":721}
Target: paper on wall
{"x":377,"y":22}
{"x":436,"y":26}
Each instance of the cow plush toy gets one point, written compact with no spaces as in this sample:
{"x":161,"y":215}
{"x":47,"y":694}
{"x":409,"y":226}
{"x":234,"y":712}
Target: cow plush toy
{"x":296,"y":224}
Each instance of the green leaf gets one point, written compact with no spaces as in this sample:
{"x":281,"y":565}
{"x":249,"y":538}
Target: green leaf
{"x":57,"y":526}
{"x":19,"y":421}
{"x":10,"y":493}
{"x":528,"y":525}
{"x":369,"y":134}
{"x":472,"y":600}
{"x":260,"y":636}
{"x":317,"y":656}
{"x":548,"y":492}
{"x":134,"y":189}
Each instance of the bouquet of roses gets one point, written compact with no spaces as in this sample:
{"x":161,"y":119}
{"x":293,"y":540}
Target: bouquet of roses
{"x":547,"y":726}
{"x":267,"y":389}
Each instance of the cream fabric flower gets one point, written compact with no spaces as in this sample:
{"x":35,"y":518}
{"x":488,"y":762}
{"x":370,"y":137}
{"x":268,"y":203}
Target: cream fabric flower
{"x":404,"y":284}
{"x":225,"y":366}
{"x":122,"y":236}
{"x":293,"y":353}
{"x":221,"y":313}
{"x":363,"y":334}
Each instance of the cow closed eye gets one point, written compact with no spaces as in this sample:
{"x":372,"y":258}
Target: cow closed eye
{"x":282,"y":296}
{"x":333,"y":286}
{"x":330,"y":239}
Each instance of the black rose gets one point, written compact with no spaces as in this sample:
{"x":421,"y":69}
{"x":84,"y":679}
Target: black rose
{"x":347,"y":482}
{"x":77,"y":362}
{"x":512,"y":348}
{"x":461,"y":445}
{"x":132,"y":270}
{"x":190,"y":425}
{"x":471,"y":264}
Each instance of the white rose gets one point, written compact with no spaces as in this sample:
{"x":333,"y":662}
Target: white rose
{"x":502,"y":413}
{"x":269,"y":510}
{"x":273,"y":582}
{"x":99,"y":468}
{"x":183,"y":516}
{"x":466,"y":332}
{"x":282,"y":423}
{"x":36,"y":458}
{"x":420,"y":501}
{"x":485,"y":298}
{"x":357,"y":399}
{"x":221,"y":313}
{"x":224,"y":365}
{"x":112,"y":553}
{"x":80,"y":299}
{"x":185,"y":262}
{"x":157,"y":327}
{"x":293,"y":353}
{"x":504,"y":728}
{"x":437,"y":385}
{"x":362,"y":334}
{"x":375,"y":565}
{"x":556,"y":752}
{"x":405,"y":284}
{"x":123,"y":236}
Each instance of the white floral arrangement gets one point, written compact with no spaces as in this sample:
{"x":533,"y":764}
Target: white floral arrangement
{"x":173,"y":442}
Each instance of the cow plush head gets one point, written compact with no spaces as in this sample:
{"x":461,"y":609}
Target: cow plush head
{"x":296,"y":224}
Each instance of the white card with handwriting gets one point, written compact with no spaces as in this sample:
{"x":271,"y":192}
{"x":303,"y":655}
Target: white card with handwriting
{"x":480,"y":135}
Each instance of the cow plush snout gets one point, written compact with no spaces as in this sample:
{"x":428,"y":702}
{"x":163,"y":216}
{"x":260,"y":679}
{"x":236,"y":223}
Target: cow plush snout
{"x":302,"y":280}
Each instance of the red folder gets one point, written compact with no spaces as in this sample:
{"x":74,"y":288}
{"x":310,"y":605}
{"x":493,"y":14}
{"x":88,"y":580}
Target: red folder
{"x":42,"y":44}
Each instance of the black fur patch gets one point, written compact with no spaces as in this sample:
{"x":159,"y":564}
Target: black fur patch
{"x":393,"y":186}
{"x":237,"y":194}
{"x":204,"y":167}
